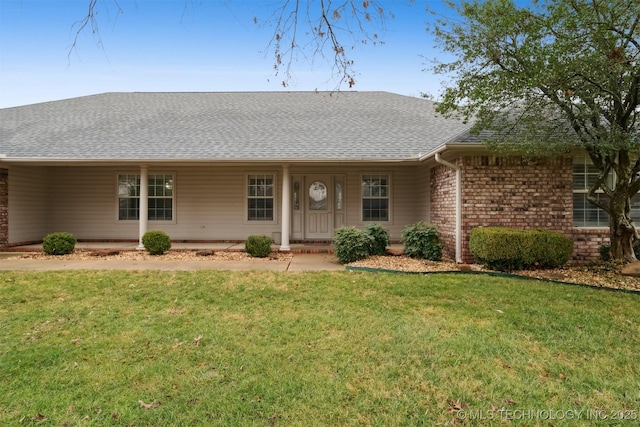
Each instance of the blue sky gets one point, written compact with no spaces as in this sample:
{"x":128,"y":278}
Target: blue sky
{"x":209,"y":45}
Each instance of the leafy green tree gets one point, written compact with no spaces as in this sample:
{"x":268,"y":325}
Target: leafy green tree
{"x":550,"y":77}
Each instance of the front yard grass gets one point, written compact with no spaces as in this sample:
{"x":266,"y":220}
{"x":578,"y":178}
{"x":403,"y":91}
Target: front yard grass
{"x":342,"y":348}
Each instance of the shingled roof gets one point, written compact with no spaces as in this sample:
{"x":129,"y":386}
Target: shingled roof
{"x":263,"y":126}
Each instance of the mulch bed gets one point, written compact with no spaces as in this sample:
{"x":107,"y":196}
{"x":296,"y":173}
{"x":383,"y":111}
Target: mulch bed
{"x":604,"y":275}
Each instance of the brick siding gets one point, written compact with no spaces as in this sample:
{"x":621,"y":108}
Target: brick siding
{"x":587,"y":242}
{"x":443,"y":206}
{"x":4,"y":207}
{"x":510,"y":192}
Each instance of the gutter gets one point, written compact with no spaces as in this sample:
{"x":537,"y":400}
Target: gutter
{"x":454,"y":147}
{"x":203,"y":161}
{"x":458,"y":230}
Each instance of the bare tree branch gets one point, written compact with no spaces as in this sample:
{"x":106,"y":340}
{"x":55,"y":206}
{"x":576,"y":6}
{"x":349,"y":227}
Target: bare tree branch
{"x":89,"y":20}
{"x":333,"y":30}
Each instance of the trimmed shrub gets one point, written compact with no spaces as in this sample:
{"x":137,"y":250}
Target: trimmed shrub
{"x":59,"y":243}
{"x":508,"y":249}
{"x":258,"y":246}
{"x":352,"y":244}
{"x":156,"y":242}
{"x":497,"y":248}
{"x":422,"y":241}
{"x":550,"y":249}
{"x":605,"y":252}
{"x":380,"y":239}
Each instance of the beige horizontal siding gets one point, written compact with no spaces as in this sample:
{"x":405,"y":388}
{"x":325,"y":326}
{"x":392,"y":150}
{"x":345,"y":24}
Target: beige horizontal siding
{"x":210,"y":202}
{"x":85,"y":202}
{"x":29,"y":207}
{"x":211,"y":205}
{"x":423,"y":192}
{"x":405,"y":188}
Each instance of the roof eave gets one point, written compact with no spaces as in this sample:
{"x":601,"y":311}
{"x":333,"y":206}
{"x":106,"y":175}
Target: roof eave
{"x":456,"y":147}
{"x":142,"y":161}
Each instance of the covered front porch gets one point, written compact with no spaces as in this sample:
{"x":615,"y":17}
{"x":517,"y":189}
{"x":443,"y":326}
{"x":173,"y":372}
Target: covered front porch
{"x":209,"y":206}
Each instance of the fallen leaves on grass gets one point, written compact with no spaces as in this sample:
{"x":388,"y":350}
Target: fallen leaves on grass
{"x":151,"y":405}
{"x":456,"y":405}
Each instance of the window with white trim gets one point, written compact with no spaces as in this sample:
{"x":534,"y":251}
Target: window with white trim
{"x":260,"y":197}
{"x":375,"y":197}
{"x":161,"y":197}
{"x":585,"y":213}
{"x":128,"y":197}
{"x":160,"y":200}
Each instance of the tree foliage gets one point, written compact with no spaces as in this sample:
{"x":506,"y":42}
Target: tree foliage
{"x":552,"y":77}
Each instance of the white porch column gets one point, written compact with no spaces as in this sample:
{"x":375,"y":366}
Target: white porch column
{"x":286,"y":209}
{"x":144,"y":204}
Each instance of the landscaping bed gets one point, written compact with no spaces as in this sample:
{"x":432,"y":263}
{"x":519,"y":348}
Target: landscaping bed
{"x":605,"y":275}
{"x":172,"y":255}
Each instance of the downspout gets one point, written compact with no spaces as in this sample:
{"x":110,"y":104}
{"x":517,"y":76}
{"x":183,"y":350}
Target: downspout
{"x":458,"y":232}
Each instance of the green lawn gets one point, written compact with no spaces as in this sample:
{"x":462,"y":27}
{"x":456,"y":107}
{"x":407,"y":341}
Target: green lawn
{"x":344,"y":348}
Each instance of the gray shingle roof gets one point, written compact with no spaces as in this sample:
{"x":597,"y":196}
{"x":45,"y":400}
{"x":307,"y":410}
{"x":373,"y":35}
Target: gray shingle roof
{"x":226,"y":126}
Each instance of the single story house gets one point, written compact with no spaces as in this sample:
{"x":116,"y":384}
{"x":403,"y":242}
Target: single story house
{"x":207,"y":167}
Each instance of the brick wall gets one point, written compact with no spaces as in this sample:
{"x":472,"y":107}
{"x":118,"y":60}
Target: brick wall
{"x":4,"y":207}
{"x":509,"y":192}
{"x":587,"y":242}
{"x":443,"y":206}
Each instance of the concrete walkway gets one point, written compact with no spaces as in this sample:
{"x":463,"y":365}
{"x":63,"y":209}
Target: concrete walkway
{"x":299,"y":262}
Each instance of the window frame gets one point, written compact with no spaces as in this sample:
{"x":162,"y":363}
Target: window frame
{"x":273,"y":197}
{"x":388,"y":196}
{"x":603,"y":217}
{"x":149,"y":197}
{"x":119,"y":197}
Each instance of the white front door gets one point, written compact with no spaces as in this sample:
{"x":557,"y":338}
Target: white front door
{"x":318,"y":207}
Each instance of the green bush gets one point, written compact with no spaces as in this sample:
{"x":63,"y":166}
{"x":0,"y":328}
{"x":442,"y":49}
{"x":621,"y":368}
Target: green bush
{"x":380,"y":239}
{"x":508,"y":249}
{"x":352,"y":244}
{"x":422,"y":241}
{"x":258,"y":246}
{"x":605,"y":250}
{"x":59,"y":243}
{"x":156,"y":242}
